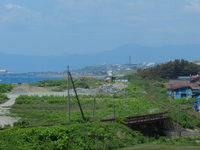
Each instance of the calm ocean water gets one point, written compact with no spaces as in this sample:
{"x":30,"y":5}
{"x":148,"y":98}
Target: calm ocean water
{"x":23,"y":78}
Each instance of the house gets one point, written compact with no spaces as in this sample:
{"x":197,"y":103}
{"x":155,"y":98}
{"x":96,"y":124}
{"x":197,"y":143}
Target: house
{"x":109,"y":79}
{"x":183,"y":88}
{"x":121,"y":80}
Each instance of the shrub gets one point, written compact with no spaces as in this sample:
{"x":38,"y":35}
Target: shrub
{"x":184,"y":119}
{"x":3,"y":98}
{"x":4,"y":88}
{"x":91,"y":136}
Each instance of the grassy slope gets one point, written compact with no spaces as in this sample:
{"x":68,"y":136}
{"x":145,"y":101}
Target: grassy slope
{"x":91,"y":136}
{"x":142,"y":96}
{"x":60,"y":85}
{"x":162,"y":147}
{"x":155,"y":92}
{"x":53,"y":109}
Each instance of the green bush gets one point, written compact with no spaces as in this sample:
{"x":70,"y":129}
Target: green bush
{"x":187,"y":101}
{"x":184,"y":119}
{"x":193,"y":141}
{"x":90,"y":136}
{"x":170,"y":70}
{"x":62,"y":84}
{"x":4,"y":88}
{"x":25,"y":99}
{"x":22,"y":123}
{"x":3,"y":98}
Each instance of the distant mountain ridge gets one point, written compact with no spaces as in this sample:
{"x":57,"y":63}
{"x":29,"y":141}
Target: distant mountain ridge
{"x":139,"y":54}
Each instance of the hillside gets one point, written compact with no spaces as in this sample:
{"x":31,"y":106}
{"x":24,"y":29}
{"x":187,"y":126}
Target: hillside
{"x":170,"y":70}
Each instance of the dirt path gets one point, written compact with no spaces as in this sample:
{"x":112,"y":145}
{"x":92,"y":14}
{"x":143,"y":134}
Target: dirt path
{"x":4,"y":111}
{"x":5,"y":119}
{"x":11,"y":100}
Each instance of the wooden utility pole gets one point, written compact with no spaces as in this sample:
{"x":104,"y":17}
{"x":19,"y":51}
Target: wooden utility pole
{"x":114,"y":111}
{"x":114,"y":115}
{"x":179,"y":120}
{"x":68,"y":95}
{"x":94,"y":108}
{"x":79,"y":104}
{"x":124,"y":90}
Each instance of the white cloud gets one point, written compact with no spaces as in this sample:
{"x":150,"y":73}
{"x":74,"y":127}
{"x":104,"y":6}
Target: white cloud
{"x":13,"y":6}
{"x":193,"y":6}
{"x":82,"y":11}
{"x":13,"y":13}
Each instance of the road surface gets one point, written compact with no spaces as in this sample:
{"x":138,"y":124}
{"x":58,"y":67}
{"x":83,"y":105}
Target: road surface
{"x":4,"y":111}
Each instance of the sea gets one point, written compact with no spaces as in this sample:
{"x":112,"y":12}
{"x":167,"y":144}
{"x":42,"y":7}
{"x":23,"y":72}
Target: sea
{"x":24,"y":78}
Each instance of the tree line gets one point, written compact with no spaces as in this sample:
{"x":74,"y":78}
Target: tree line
{"x":170,"y":70}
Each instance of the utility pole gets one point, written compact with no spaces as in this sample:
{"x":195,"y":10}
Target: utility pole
{"x":94,"y":108}
{"x":114,"y":113}
{"x":79,"y":104}
{"x":68,"y":95}
{"x":124,"y":91}
{"x":178,"y":120}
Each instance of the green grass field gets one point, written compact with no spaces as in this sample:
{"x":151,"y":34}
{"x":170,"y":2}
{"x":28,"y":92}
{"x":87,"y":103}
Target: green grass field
{"x":142,"y":97}
{"x":162,"y":147}
{"x":54,"y":109}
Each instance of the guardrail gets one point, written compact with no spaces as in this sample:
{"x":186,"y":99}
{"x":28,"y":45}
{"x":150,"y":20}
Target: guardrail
{"x":141,"y":119}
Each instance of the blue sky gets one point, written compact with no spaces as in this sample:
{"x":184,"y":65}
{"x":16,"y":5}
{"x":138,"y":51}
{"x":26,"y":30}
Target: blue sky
{"x":56,"y":27}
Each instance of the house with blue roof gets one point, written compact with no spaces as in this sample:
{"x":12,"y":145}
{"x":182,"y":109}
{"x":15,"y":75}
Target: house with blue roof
{"x":183,"y":88}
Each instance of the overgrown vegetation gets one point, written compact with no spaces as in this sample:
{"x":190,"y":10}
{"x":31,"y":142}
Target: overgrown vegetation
{"x":185,"y":120}
{"x":193,"y":141}
{"x":142,"y":96}
{"x":181,"y":110}
{"x":4,"y":88}
{"x":60,"y":85}
{"x":170,"y":70}
{"x":53,"y":109}
{"x":91,"y":136}
{"x":3,"y":98}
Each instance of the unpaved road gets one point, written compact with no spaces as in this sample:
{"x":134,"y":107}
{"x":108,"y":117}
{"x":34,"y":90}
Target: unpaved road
{"x":4,"y":111}
{"x":5,"y":119}
{"x":11,"y":100}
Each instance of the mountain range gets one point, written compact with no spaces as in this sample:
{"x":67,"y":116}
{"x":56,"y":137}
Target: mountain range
{"x":120,"y":55}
